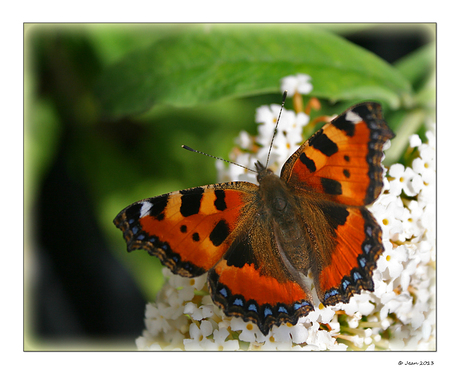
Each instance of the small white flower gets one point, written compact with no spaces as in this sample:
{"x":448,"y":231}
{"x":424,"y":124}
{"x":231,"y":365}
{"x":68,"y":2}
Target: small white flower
{"x":353,"y":322}
{"x":244,"y":140}
{"x":296,"y":83}
{"x":143,"y":344}
{"x":221,"y":342}
{"x":425,"y":164}
{"x":360,"y":303}
{"x":299,"y":333}
{"x":198,"y":313}
{"x":358,"y":341}
{"x":325,"y":340}
{"x":325,"y":314}
{"x":156,"y":318}
{"x":386,"y":217}
{"x":198,"y":334}
{"x":392,"y":259}
{"x":249,"y":331}
{"x":172,"y":341}
{"x":386,"y":147}
{"x":402,"y":178}
{"x":415,"y":141}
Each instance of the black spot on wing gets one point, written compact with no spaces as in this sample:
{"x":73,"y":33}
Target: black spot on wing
{"x":371,"y":113}
{"x":331,"y":186}
{"x":322,"y":143}
{"x":220,"y":203}
{"x":336,"y":214}
{"x":241,"y":253}
{"x":308,"y":162}
{"x":342,"y":124}
{"x":159,"y":204}
{"x":191,"y":201}
{"x":219,"y":233}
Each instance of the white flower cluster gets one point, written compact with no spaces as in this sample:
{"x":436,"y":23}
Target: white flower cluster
{"x":405,"y":275}
{"x":399,"y":315}
{"x":185,"y":318}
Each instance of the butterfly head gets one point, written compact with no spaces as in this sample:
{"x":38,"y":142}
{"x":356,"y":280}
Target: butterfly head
{"x":262,"y":171}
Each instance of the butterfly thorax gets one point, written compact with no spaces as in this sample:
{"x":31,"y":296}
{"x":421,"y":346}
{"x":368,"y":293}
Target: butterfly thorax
{"x":273,"y":192}
{"x":280,"y":211}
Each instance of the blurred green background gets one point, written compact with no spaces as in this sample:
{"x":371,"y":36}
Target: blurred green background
{"x":106,"y":109}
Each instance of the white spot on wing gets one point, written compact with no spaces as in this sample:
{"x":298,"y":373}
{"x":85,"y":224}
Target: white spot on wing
{"x":353,"y":117}
{"x":145,"y":209}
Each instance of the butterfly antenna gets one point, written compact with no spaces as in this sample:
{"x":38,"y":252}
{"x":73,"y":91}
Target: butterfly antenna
{"x":276,"y":128}
{"x":217,"y":158}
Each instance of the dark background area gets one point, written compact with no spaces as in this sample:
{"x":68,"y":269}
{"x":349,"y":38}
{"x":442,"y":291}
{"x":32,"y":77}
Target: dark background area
{"x":81,"y":288}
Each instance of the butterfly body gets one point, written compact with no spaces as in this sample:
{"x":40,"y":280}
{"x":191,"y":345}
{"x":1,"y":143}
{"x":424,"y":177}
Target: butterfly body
{"x":258,"y":242}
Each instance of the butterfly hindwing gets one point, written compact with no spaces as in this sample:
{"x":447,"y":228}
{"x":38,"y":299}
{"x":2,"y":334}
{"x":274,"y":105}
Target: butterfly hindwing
{"x":252,"y":282}
{"x":342,"y":160}
{"x":187,"y":230}
{"x":345,"y":267}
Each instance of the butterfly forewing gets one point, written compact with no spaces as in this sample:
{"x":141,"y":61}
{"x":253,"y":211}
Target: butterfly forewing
{"x":342,"y":160}
{"x":187,"y":230}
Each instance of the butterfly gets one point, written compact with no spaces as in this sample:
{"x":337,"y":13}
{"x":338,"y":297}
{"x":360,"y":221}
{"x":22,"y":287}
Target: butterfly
{"x":258,"y":242}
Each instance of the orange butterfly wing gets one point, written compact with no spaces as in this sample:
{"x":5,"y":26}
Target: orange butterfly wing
{"x":334,"y":175}
{"x":187,"y":230}
{"x":342,"y":160}
{"x":353,"y":259}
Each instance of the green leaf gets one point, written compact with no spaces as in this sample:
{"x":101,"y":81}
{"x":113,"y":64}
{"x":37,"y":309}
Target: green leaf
{"x":418,"y":64}
{"x":207,"y":64}
{"x":420,"y":69}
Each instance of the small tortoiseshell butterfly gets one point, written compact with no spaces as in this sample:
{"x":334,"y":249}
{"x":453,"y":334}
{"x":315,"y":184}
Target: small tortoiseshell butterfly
{"x":257,"y":243}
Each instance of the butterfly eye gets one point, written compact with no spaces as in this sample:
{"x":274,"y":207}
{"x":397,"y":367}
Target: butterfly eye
{"x":279,"y":203}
